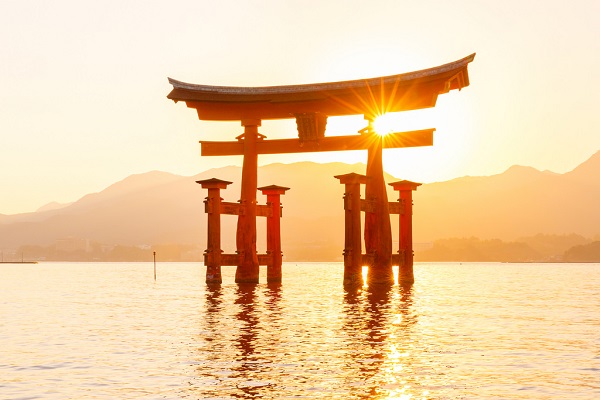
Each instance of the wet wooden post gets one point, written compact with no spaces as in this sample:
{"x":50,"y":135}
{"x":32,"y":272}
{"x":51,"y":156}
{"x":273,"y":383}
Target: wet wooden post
{"x":212,"y":206}
{"x":247,"y":270}
{"x":352,"y":237}
{"x":273,"y":194}
{"x":378,"y":230}
{"x":405,"y":189}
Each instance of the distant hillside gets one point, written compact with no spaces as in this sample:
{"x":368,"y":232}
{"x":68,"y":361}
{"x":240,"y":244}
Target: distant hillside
{"x":160,"y":208}
{"x":522,"y":201}
{"x":52,"y":206}
{"x":157,"y":207}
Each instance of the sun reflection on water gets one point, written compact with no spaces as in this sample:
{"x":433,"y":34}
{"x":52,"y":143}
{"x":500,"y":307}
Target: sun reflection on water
{"x":375,"y":325}
{"x":308,"y":338}
{"x":365,"y":274}
{"x":386,"y":317}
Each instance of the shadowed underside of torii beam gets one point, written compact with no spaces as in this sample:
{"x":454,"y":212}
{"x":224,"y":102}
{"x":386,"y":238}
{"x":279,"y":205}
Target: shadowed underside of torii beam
{"x":311,"y":105}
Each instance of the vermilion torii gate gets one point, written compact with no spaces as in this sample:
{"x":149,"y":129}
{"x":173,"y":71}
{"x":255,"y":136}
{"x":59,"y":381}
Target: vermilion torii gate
{"x":310,"y":105}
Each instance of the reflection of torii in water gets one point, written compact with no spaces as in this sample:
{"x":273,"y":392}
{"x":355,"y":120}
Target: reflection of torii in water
{"x":378,"y":322}
{"x":310,"y":105}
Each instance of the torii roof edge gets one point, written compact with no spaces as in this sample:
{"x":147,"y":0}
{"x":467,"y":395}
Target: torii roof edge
{"x":407,"y":91}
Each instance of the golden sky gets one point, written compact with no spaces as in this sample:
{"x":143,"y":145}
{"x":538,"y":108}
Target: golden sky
{"x":84,"y":83}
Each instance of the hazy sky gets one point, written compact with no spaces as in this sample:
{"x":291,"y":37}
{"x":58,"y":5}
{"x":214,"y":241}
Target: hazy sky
{"x":84,"y":83}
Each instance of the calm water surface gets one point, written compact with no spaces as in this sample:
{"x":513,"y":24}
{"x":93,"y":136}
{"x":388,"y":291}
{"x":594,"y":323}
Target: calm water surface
{"x":462,"y":331}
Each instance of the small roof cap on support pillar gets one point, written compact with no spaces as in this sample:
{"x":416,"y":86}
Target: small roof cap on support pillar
{"x":351,"y":178}
{"x":214,"y":183}
{"x":273,"y":189}
{"x":405,"y":185}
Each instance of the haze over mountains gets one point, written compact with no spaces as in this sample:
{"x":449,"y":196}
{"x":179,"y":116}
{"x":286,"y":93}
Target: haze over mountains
{"x":160,"y":208}
{"x":521,"y":201}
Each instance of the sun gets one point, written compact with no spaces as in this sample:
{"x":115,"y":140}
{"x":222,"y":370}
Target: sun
{"x":385,"y":123}
{"x":404,"y":121}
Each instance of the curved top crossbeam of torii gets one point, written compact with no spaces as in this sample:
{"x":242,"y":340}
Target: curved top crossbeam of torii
{"x":311,"y":104}
{"x":370,"y":97}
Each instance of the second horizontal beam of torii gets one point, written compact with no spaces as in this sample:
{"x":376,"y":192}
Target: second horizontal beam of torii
{"x":417,"y":138}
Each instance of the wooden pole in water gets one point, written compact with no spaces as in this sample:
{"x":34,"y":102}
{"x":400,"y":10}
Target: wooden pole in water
{"x":154,"y":254}
{"x":247,"y":269}
{"x":352,"y":237}
{"x":378,"y":230}
{"x":212,"y":206}
{"x":273,"y":194}
{"x":405,"y":269}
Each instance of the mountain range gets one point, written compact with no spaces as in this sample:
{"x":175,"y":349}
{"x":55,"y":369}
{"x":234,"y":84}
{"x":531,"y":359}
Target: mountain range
{"x":158,"y":207}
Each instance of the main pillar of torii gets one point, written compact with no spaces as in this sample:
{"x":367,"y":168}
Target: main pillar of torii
{"x":311,"y":105}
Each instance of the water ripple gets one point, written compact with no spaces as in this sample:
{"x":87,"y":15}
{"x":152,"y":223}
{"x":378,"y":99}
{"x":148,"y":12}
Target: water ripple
{"x":105,"y":331}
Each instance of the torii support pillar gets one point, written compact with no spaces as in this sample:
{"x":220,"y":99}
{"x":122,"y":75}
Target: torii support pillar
{"x":378,"y":230}
{"x":273,"y":194}
{"x":212,"y":206}
{"x":247,"y":270}
{"x":405,"y":273}
{"x":352,"y":236}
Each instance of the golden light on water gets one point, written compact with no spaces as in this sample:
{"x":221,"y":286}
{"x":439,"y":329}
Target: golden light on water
{"x":394,"y":353}
{"x":398,"y":319}
{"x":365,"y":273}
{"x":399,"y":343}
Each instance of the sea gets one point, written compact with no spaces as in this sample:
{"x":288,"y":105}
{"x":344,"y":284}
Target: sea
{"x":461,"y":331}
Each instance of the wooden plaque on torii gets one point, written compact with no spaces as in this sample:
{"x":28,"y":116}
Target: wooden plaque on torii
{"x":311,"y":105}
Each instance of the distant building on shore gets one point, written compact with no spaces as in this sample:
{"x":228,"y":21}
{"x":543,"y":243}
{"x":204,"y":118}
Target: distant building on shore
{"x":71,"y":244}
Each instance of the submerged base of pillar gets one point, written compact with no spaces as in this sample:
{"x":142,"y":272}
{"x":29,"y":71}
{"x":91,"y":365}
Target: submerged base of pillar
{"x":247,"y":269}
{"x":213,"y":275}
{"x":381,"y":281}
{"x":246,"y":280}
{"x":405,"y":275}
{"x":274,"y":272}
{"x":353,"y":279}
{"x":380,"y":277}
{"x":247,"y":272}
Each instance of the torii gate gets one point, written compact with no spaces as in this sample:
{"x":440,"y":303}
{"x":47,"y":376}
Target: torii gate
{"x":310,"y":105}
